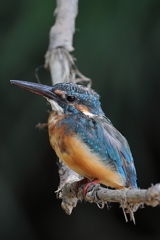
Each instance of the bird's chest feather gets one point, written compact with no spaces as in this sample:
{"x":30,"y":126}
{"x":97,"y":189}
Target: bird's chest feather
{"x":63,"y":140}
{"x":61,"y":136}
{"x":62,"y":133}
{"x":56,"y":132}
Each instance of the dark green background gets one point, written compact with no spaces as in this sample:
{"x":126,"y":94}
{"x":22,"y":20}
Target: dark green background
{"x":117,"y":45}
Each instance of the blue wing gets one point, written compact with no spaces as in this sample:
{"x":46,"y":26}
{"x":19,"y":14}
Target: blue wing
{"x":118,"y":150}
{"x":105,"y":140}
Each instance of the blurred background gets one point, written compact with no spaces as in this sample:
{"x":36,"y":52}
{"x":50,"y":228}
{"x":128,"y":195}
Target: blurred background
{"x":117,"y":45}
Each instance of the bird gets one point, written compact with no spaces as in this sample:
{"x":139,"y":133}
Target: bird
{"x":83,"y":137}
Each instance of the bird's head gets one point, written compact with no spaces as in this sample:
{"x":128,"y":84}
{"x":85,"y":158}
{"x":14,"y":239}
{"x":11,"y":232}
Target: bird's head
{"x":66,"y":97}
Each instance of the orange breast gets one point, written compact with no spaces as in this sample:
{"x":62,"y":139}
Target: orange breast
{"x":77,"y":155}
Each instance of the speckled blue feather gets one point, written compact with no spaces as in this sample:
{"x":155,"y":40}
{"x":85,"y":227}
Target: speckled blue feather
{"x":84,"y":96}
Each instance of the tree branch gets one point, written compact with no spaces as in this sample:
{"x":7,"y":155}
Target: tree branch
{"x":130,"y":199}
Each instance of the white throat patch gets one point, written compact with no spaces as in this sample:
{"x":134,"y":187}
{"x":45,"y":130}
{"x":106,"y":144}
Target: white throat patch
{"x":55,"y":107}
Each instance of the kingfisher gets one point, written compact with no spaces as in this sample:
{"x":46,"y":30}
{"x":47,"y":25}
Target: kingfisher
{"x":83,"y":137}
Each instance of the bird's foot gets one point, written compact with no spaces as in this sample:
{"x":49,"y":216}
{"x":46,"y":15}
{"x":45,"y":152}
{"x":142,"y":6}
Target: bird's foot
{"x":79,"y":183}
{"x":88,"y":184}
{"x":95,"y":181}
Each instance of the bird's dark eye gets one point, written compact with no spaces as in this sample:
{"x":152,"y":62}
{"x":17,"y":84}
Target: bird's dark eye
{"x":71,"y":98}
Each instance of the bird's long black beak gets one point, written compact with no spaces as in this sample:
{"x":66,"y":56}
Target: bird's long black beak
{"x":43,"y":90}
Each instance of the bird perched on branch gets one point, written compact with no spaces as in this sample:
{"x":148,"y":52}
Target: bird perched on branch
{"x":83,"y":137}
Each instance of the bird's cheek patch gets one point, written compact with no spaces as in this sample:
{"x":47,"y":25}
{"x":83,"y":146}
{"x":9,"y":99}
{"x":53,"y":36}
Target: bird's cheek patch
{"x":84,"y":109}
{"x":59,"y":92}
